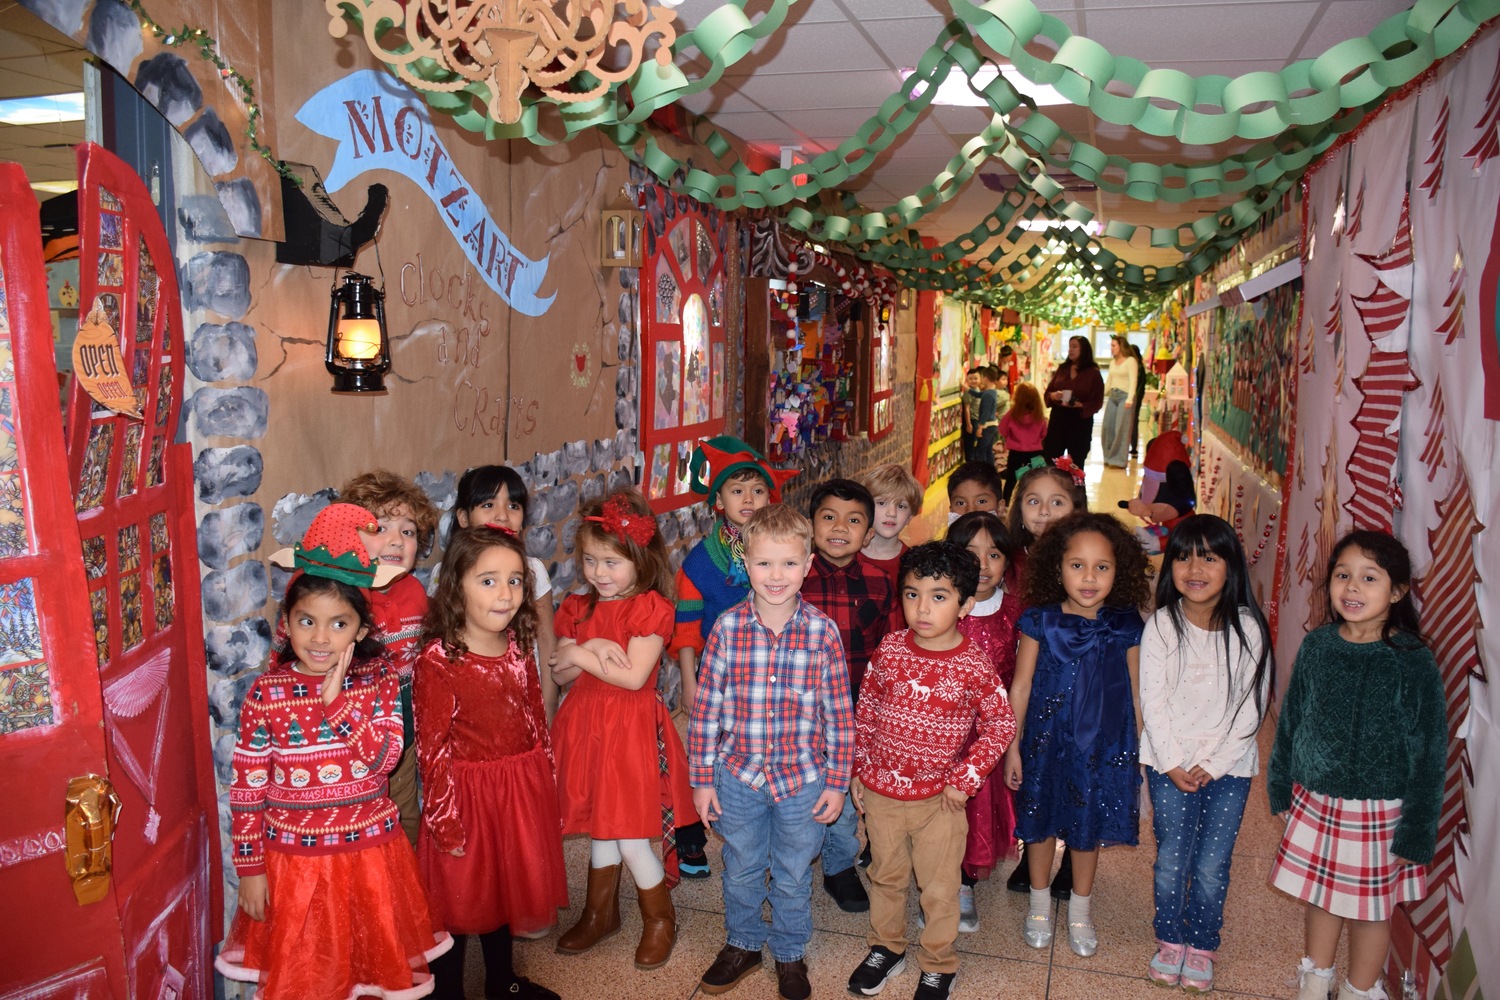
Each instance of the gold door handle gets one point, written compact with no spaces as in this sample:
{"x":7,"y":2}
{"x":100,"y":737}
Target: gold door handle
{"x":93,"y":810}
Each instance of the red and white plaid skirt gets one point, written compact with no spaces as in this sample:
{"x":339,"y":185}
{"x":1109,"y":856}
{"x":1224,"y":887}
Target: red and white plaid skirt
{"x":1336,"y":855}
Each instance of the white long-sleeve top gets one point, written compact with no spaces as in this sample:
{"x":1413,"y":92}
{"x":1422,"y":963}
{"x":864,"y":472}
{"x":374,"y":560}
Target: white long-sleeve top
{"x":1122,"y":376}
{"x":1188,"y":699}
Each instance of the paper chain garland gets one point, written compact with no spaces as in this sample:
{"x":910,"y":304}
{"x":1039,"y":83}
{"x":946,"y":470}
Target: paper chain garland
{"x":1306,"y":107}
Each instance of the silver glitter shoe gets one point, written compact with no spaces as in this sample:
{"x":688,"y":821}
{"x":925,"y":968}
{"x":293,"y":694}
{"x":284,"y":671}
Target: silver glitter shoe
{"x":1037,"y":929}
{"x":1083,"y":939}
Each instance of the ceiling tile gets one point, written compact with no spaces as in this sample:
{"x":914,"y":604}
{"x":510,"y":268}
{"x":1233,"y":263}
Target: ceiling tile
{"x":826,"y":48}
{"x":829,"y":90}
{"x":721,"y":99}
{"x":757,"y":126}
{"x":1264,"y":30}
{"x":904,"y":40}
{"x":1345,"y":19}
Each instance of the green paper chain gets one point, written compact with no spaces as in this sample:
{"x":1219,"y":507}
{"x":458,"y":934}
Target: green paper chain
{"x":1314,"y":93}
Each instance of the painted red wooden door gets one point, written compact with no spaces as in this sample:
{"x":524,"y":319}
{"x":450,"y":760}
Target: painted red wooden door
{"x":119,"y":571}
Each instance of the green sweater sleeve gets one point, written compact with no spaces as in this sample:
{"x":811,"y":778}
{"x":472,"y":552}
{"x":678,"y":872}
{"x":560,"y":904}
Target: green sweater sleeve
{"x":1424,"y":704}
{"x":1279,"y":770}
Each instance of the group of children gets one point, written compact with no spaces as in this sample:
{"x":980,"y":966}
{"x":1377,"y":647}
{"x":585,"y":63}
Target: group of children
{"x":1005,"y":683}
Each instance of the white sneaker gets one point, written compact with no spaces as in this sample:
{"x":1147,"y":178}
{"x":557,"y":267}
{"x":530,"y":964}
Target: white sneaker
{"x":1312,"y":986}
{"x":968,"y":913}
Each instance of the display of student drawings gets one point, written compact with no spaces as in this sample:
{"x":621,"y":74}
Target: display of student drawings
{"x":683,"y":344}
{"x":1248,"y":374}
{"x":812,"y":368}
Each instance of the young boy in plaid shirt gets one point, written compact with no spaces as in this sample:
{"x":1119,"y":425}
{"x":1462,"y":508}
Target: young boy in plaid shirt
{"x":927,"y":689}
{"x":770,"y":746}
{"x":861,"y":599}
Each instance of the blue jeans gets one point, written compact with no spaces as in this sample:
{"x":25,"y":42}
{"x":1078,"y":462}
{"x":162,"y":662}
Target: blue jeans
{"x":761,"y":833}
{"x":1116,"y":432}
{"x":1195,"y":835}
{"x":841,"y":840}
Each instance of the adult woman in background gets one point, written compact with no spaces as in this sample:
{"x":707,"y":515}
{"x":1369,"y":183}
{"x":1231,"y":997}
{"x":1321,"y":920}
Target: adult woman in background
{"x":1075,"y":394}
{"x":1119,"y":406}
{"x":1140,"y":393}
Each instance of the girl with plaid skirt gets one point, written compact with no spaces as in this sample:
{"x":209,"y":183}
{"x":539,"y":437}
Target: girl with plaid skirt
{"x":1358,"y":765}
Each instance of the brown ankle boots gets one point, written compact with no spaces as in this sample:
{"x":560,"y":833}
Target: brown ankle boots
{"x":658,"y":926}
{"x":601,"y":912}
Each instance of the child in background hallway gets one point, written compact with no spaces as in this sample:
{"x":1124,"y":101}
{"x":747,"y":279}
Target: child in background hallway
{"x":621,"y":769}
{"x":991,"y":626}
{"x":738,"y":481}
{"x":971,"y":404}
{"x":772,"y":738}
{"x":407,"y":521}
{"x":973,"y":486}
{"x":1044,"y":495}
{"x":1358,"y":763}
{"x":331,"y":902}
{"x":898,"y":498}
{"x":496,"y":494}
{"x":929,"y":690}
{"x":1021,"y":429}
{"x":490,"y":848}
{"x":988,"y":417}
{"x":1073,"y":765}
{"x":1205,"y":676}
{"x":862,"y":603}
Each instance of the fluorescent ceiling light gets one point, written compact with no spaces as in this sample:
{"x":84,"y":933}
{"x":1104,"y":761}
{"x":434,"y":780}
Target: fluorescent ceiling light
{"x":54,"y":187}
{"x":48,"y":110}
{"x":955,"y":88}
{"x":1093,"y":227}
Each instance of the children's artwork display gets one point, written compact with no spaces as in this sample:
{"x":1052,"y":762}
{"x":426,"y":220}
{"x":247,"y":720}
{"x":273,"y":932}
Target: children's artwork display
{"x":683,"y":340}
{"x":882,"y":417}
{"x":1248,"y":375}
{"x":958,"y":324}
{"x":812,"y":372}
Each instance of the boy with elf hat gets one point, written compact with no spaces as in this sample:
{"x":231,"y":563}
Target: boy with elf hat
{"x":738,"y":481}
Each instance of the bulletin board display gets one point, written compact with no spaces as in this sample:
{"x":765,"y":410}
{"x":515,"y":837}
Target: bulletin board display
{"x":683,"y":343}
{"x":882,"y":416}
{"x":811,"y":386}
{"x":957,"y":326}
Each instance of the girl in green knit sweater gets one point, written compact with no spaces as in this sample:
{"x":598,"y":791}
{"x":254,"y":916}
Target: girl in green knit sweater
{"x":1358,"y":764}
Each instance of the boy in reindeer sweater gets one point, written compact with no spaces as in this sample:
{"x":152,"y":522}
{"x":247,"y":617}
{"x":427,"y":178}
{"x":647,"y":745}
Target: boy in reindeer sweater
{"x":928,"y":688}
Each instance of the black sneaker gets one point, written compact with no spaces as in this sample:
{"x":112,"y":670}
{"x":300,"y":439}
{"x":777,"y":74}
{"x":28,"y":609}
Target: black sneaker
{"x":1062,"y":882}
{"x":1020,"y":879}
{"x":865,"y":858}
{"x":878,"y":967}
{"x":847,"y":890}
{"x":693,"y":865}
{"x":935,"y":986}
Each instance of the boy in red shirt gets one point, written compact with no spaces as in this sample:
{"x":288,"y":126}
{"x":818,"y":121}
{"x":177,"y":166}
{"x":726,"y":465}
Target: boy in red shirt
{"x":926,"y":689}
{"x":406,"y":522}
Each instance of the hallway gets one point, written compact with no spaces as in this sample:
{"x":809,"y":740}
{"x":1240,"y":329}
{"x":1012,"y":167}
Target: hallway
{"x":1262,"y":929}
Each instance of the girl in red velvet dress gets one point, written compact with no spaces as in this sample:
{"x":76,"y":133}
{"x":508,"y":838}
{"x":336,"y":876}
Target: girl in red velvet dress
{"x":621,"y":769}
{"x":991,"y":625}
{"x":489,"y":847}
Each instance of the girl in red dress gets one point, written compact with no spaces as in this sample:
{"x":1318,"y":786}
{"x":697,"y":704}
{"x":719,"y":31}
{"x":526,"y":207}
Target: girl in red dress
{"x":331,"y":903}
{"x":991,"y":625}
{"x":490,"y":846}
{"x":621,"y":769}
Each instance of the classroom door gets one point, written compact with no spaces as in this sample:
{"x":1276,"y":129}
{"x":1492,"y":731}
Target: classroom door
{"x":103,"y":669}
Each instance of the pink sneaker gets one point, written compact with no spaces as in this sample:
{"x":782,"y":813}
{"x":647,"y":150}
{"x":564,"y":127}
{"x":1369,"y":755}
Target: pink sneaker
{"x":1198,"y":971}
{"x":1166,"y":967}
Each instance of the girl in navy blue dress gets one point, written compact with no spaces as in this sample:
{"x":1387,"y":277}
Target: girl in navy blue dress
{"x":1073,"y":763}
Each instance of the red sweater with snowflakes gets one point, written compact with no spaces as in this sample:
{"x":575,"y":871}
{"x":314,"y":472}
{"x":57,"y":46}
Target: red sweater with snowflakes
{"x":916,"y":710}
{"x":310,"y":778}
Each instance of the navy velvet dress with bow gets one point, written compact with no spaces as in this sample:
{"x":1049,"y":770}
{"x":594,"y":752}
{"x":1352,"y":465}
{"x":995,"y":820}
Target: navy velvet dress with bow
{"x":1079,"y":775}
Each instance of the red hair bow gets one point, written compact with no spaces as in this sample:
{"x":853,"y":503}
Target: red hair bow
{"x":624,"y":521}
{"x":1065,"y":463}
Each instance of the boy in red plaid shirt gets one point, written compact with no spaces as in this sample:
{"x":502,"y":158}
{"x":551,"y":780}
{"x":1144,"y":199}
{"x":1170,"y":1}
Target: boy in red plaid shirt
{"x":928,"y":688}
{"x":860,"y":598}
{"x":770,"y":746}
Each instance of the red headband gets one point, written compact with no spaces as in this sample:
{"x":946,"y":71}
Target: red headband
{"x":624,"y":521}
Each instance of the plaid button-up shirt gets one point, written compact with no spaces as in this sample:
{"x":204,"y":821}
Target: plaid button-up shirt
{"x":773,"y":709}
{"x":862,"y":603}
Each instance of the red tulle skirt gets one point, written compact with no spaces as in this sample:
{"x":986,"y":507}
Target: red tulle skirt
{"x":992,"y":827}
{"x":344,"y":925}
{"x":512,"y":870}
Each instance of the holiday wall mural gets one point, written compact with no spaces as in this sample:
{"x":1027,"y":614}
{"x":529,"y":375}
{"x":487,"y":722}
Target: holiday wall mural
{"x":1395,"y":429}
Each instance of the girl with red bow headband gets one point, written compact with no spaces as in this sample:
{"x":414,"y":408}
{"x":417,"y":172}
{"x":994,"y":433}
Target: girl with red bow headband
{"x":621,"y":768}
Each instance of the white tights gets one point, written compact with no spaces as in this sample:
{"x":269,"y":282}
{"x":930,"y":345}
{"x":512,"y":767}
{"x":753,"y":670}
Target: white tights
{"x":644,"y":866}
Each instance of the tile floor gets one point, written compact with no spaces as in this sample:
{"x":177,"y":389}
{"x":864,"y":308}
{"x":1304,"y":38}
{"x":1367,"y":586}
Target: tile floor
{"x":1262,"y":931}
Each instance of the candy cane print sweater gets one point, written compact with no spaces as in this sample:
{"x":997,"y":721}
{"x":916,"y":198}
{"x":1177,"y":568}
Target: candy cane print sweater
{"x":916,"y":709}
